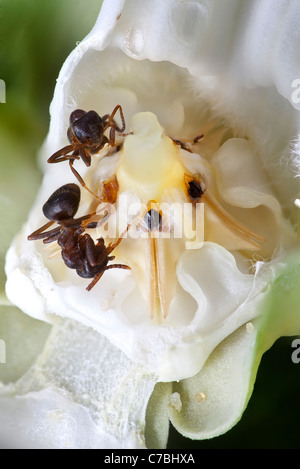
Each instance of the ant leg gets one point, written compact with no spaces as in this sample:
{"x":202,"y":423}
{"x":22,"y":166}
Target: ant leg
{"x":185,"y":146}
{"x":79,"y":179}
{"x":98,"y":276}
{"x":92,"y":253}
{"x":48,"y":236}
{"x":83,"y":221}
{"x":112,"y":135}
{"x":196,"y":139}
{"x":182,"y":145}
{"x":95,"y":280}
{"x":53,"y":236}
{"x":39,"y":234}
{"x":118,"y":266}
{"x":111,"y":121}
{"x":114,"y":127}
{"x":85,"y":156}
{"x":61,"y":155}
{"x":111,"y":247}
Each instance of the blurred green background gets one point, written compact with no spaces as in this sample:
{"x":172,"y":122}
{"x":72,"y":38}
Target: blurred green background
{"x":35,"y":38}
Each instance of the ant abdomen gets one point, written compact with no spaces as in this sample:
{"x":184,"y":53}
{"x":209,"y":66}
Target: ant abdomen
{"x":63,"y":203}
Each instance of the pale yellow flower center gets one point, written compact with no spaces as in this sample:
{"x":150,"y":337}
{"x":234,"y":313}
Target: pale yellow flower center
{"x":149,"y":163}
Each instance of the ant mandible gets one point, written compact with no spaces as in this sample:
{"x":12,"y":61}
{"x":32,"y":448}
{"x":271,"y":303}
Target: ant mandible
{"x":78,"y":251}
{"x":86,"y":136}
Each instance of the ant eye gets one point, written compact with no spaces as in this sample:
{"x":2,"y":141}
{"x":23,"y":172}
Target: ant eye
{"x":75,"y":115}
{"x":153,"y":220}
{"x":63,"y":203}
{"x":195,"y":190}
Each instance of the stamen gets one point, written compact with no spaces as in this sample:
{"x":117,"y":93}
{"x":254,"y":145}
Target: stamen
{"x":151,"y":275}
{"x":241,"y":230}
{"x":155,"y":255}
{"x":153,"y":220}
{"x":161,"y":275}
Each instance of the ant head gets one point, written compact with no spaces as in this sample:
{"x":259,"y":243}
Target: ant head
{"x":75,"y":115}
{"x":86,"y":126}
{"x":63,"y":203}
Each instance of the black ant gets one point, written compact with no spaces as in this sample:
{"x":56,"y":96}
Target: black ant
{"x":78,"y":251}
{"x":86,"y":136}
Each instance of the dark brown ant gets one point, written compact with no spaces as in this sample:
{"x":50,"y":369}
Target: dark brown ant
{"x":86,"y":136}
{"x":78,"y":251}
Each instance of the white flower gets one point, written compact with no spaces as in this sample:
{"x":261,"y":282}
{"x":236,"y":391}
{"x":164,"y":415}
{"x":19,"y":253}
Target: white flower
{"x":187,"y":316}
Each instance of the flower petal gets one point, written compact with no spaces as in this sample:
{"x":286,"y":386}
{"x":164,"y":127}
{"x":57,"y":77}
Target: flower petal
{"x":226,"y":298}
{"x":48,"y":419}
{"x":214,"y":399}
{"x":243,"y":184}
{"x":81,"y":393}
{"x":214,"y":294}
{"x":281,"y":317}
{"x":172,"y":352}
{"x":157,"y":416}
{"x":267,"y":52}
